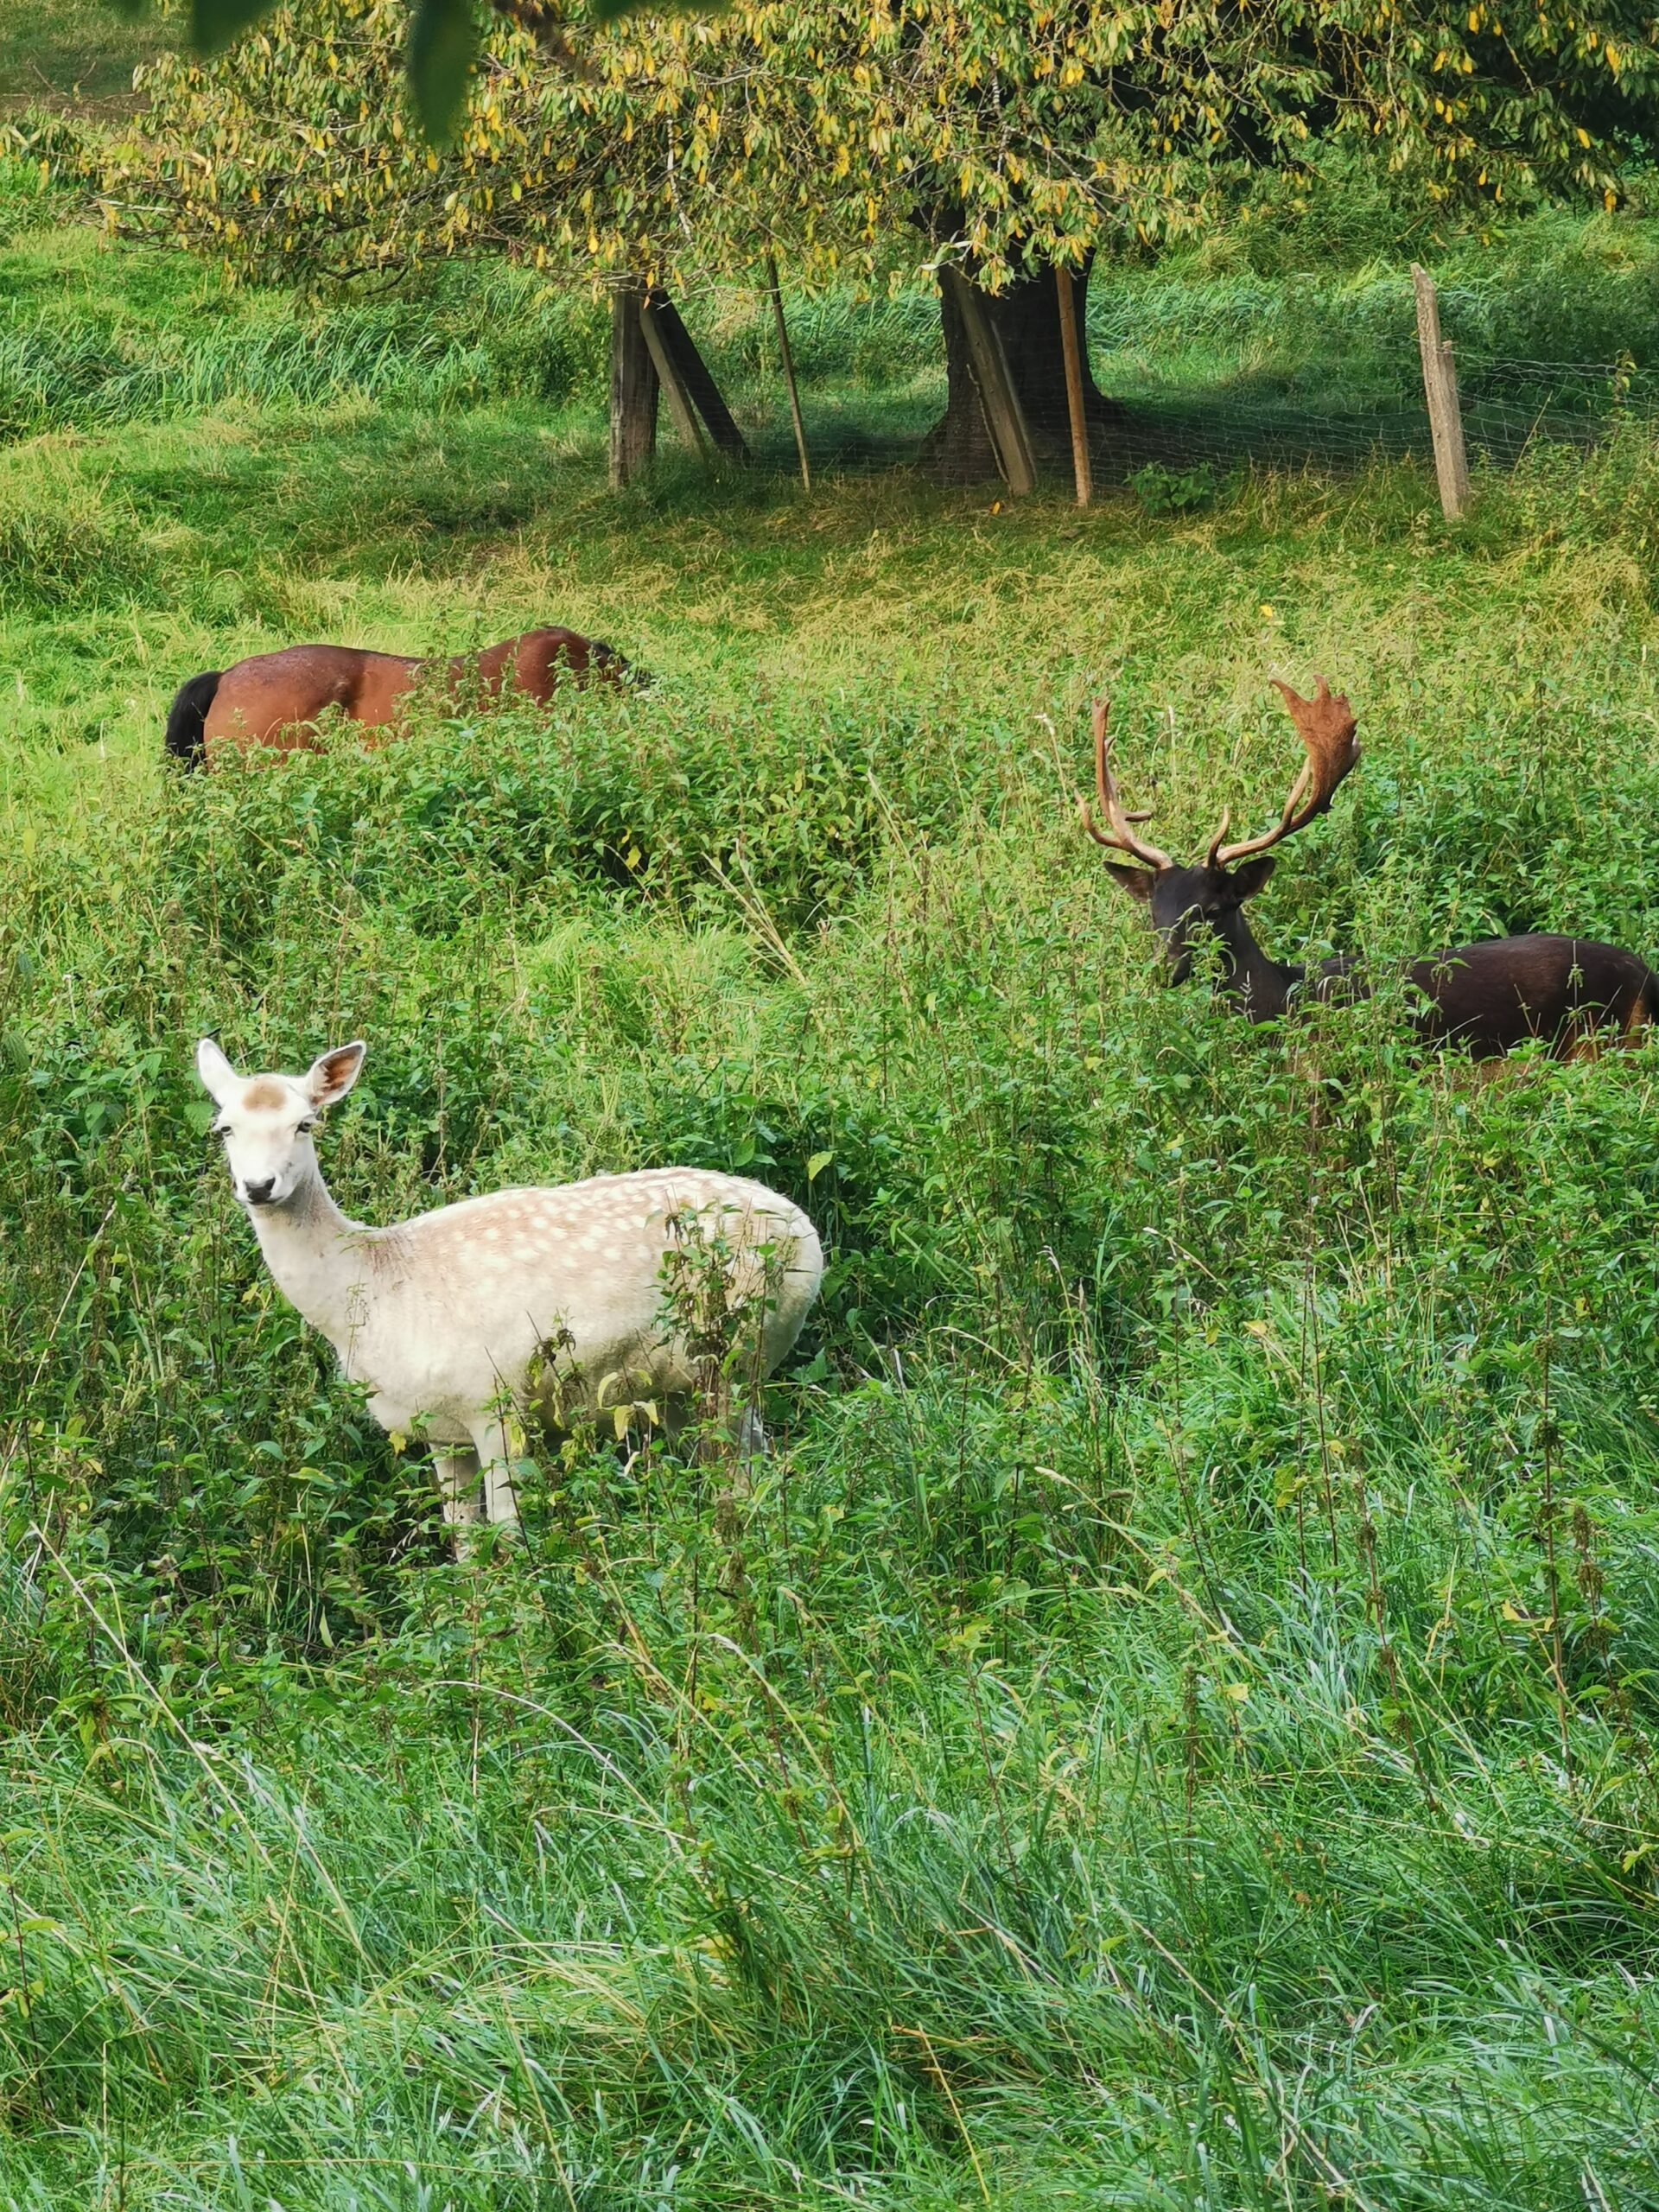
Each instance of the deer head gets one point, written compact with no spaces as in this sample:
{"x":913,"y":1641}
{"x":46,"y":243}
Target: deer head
{"x":1180,"y":900}
{"x":266,"y":1120}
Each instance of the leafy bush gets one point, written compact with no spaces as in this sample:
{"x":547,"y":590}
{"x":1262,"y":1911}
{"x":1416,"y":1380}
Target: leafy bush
{"x":1181,"y":491}
{"x":647,"y":798}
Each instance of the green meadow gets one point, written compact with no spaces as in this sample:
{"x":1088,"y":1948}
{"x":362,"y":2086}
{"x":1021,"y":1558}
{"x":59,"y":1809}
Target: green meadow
{"x":1174,"y":1721}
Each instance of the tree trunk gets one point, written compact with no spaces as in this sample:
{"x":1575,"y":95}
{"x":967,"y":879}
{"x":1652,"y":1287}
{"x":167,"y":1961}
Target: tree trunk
{"x":1026,"y":314}
{"x":634,"y":387}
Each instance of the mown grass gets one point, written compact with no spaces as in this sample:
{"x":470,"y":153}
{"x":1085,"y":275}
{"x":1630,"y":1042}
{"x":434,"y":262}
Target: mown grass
{"x":1173,"y":1724}
{"x":74,"y":54}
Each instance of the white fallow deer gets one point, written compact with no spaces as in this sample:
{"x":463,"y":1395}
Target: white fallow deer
{"x":538,"y":1301}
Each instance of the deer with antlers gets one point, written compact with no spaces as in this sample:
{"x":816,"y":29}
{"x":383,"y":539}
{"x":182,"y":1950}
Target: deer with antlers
{"x":1488,"y":997}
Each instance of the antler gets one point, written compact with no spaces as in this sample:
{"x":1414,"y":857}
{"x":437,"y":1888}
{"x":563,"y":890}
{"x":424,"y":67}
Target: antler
{"x":1326,"y":726}
{"x":1123,"y":839}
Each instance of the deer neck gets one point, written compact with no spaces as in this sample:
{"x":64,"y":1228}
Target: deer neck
{"x":1260,"y":988}
{"x":316,"y":1256}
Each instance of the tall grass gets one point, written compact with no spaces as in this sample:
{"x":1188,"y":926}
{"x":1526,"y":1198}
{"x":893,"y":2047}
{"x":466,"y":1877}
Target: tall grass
{"x":1172,"y":1722}
{"x":158,"y":341}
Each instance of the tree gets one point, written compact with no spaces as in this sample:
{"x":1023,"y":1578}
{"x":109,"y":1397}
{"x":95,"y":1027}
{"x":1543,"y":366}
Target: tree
{"x":442,"y":43}
{"x":870,"y":137}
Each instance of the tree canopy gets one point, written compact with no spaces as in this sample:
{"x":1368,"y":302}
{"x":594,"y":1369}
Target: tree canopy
{"x":851,"y":135}
{"x":443,"y":41}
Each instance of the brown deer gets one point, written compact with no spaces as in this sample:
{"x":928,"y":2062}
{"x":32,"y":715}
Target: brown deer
{"x":1487,"y":997}
{"x":273,"y":699}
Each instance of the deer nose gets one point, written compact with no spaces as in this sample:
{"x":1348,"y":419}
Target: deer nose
{"x":260,"y":1194}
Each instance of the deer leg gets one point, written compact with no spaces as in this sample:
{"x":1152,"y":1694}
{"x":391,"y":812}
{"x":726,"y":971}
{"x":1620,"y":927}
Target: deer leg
{"x":748,"y":1444}
{"x":460,"y":1488}
{"x":495,"y":1451}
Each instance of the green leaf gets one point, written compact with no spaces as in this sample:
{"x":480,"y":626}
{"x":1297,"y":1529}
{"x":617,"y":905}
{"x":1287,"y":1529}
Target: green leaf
{"x":441,"y":44}
{"x":815,"y":1166}
{"x":214,"y":24}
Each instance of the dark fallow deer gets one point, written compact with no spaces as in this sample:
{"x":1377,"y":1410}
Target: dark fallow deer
{"x":1487,"y":998}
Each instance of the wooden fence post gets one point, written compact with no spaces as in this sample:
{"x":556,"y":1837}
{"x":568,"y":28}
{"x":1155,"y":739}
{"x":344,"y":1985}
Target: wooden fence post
{"x":788,"y":360}
{"x":1005,"y":418}
{"x":1441,"y":391}
{"x":668,"y":375}
{"x":1072,"y":347}
{"x":634,"y":387}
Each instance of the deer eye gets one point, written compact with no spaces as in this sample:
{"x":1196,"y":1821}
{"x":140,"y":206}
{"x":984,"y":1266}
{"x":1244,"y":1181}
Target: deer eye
{"x":307,"y":1126}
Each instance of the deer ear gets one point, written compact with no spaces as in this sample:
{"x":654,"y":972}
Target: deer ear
{"x":333,"y":1075}
{"x":219,"y":1078}
{"x":1137,"y":881}
{"x":1253,"y":875}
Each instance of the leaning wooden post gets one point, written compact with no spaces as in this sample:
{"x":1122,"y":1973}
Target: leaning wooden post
{"x":633,"y":387}
{"x":668,"y":375}
{"x":1441,"y":391}
{"x":1005,"y":418}
{"x":788,"y":361}
{"x":1072,"y":347}
{"x":697,"y":379}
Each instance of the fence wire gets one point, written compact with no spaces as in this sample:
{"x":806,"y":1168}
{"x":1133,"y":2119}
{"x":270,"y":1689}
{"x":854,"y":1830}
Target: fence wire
{"x":1199,"y":376}
{"x":1184,"y":397}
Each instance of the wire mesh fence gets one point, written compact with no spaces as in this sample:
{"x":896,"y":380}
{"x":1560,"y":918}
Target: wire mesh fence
{"x":1236,"y":389}
{"x":1190,"y":376}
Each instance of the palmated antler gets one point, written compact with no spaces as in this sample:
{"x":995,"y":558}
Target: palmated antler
{"x":1123,"y":838}
{"x":1326,"y":726}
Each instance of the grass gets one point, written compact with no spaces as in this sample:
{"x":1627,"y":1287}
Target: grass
{"x":77,"y":56}
{"x":1172,"y":1724}
{"x":1219,"y":357}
